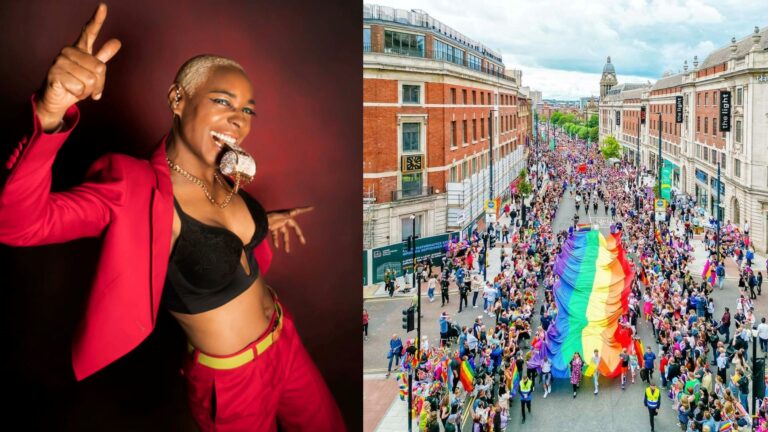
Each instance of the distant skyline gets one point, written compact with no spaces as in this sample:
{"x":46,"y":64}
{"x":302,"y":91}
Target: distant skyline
{"x":561,"y":46}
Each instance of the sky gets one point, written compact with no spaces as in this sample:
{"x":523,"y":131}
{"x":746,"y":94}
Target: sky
{"x":561,"y":45}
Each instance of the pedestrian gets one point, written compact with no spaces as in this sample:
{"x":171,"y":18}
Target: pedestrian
{"x":464,"y":294}
{"x":596,"y":373}
{"x":546,"y":376}
{"x":648,"y":359}
{"x":576,"y":366}
{"x":395,"y":352}
{"x":365,"y":324}
{"x":526,"y":393}
{"x":624,"y":359}
{"x":652,"y":401}
{"x":725,"y":324}
{"x":720,"y":271}
{"x":444,"y":326}
{"x":476,"y":283}
{"x":431,"y":285}
{"x":762,"y":335}
{"x":759,"y":283}
{"x":444,"y":290}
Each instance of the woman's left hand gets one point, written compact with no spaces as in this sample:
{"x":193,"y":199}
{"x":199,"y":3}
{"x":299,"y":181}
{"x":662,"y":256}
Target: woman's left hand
{"x":280,"y":222}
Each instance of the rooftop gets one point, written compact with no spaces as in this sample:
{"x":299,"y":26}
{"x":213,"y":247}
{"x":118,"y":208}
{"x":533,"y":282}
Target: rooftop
{"x":743,"y":46}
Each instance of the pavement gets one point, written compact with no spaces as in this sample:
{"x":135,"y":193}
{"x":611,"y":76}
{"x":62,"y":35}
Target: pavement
{"x":611,"y":409}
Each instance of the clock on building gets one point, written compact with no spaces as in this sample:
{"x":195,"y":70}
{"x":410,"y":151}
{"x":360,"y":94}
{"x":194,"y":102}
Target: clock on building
{"x":411,"y":163}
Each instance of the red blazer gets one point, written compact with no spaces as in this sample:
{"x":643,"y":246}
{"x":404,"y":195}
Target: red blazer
{"x":127,"y":201}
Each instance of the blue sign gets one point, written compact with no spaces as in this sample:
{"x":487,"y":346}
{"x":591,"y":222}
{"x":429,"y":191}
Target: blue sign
{"x":701,"y":176}
{"x":713,"y":184}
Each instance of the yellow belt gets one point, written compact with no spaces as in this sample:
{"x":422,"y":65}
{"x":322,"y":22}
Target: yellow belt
{"x":246,"y":356}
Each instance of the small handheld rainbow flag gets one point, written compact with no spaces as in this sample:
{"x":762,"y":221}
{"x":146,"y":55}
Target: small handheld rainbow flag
{"x":726,"y":426}
{"x":467,"y":376}
{"x":403,"y":385}
{"x":514,"y":383}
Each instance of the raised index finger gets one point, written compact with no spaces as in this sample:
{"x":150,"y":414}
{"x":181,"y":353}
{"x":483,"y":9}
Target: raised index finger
{"x":91,"y":29}
{"x":301,"y":210}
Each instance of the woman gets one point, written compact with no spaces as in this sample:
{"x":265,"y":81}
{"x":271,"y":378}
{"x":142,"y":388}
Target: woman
{"x":365,"y":324}
{"x":205,"y":255}
{"x":546,"y":375}
{"x":576,"y":366}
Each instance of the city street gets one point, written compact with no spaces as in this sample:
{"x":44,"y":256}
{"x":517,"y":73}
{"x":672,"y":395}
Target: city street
{"x":612,"y":409}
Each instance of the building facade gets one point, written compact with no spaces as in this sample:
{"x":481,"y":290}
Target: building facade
{"x":722,"y":120}
{"x":433,"y":102}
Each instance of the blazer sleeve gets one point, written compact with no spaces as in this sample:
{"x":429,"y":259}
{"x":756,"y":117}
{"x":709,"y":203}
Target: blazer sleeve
{"x":30,"y":214}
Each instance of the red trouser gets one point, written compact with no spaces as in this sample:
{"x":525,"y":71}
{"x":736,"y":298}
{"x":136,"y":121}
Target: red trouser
{"x":281,"y":385}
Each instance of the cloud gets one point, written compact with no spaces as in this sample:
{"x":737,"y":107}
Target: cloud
{"x":643,"y":37}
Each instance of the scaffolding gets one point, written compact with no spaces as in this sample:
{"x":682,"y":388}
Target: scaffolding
{"x":369,"y":217}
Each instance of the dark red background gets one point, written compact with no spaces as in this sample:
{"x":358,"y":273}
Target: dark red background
{"x":304,"y":61}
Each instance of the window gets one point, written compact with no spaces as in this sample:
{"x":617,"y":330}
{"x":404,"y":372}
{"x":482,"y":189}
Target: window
{"x":473,"y":62}
{"x":482,"y":98}
{"x":737,"y":168}
{"x":412,"y":184}
{"x":739,"y":96}
{"x":482,"y":128}
{"x":454,"y":174}
{"x":464,"y":172}
{"x":705,"y":154}
{"x":366,"y":40}
{"x":474,"y":130}
{"x":714,"y":156}
{"x":698,"y":124}
{"x":443,"y":51}
{"x":453,"y":96}
{"x":474,"y":97}
{"x":474,"y":165}
{"x":411,"y":94}
{"x":407,"y":226}
{"x":403,"y":43}
{"x":706,"y":98}
{"x":698,"y":98}
{"x":738,"y":131}
{"x":714,"y":126}
{"x":464,"y":127}
{"x":706,"y":121}
{"x":464,"y":96}
{"x":453,"y":133}
{"x":722,"y":160}
{"x":411,"y":137}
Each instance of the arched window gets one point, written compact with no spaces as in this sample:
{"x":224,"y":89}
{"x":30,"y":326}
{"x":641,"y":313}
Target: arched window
{"x":736,"y":211}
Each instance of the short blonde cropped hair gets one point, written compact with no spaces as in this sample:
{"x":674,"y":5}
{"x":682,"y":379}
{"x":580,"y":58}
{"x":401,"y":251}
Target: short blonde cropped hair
{"x":196,"y":70}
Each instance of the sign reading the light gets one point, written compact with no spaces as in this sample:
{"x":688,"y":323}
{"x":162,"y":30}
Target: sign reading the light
{"x":725,"y":111}
{"x":678,"y":109}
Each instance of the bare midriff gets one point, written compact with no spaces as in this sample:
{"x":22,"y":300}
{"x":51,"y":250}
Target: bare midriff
{"x":229,"y":328}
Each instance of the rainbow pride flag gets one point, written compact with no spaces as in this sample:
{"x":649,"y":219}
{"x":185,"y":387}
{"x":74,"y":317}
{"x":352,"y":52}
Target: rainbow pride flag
{"x":514,"y":383}
{"x":402,"y":381}
{"x":639,"y":350}
{"x":467,"y":376}
{"x":709,"y":274}
{"x":591,"y":296}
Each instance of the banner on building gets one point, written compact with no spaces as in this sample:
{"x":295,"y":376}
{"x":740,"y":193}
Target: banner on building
{"x":642,"y":115}
{"x":666,"y":180}
{"x":678,"y":109}
{"x":725,"y":111}
{"x":398,"y":260}
{"x":618,"y":118}
{"x":365,"y":267}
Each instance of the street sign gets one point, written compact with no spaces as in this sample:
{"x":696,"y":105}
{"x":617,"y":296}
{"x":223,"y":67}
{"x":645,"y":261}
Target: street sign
{"x":490,"y":205}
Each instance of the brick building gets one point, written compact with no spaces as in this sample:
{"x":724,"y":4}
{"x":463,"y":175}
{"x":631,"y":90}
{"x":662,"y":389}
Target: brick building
{"x":698,"y":144}
{"x":430,"y":98}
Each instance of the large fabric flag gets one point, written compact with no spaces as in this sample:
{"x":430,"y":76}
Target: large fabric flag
{"x":514,"y":383}
{"x":591,"y":295}
{"x":639,"y":350}
{"x":467,"y":376}
{"x":708,"y":274}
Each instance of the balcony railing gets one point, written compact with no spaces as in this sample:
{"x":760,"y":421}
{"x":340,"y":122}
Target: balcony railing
{"x":366,"y":47}
{"x":403,"y":194}
{"x":404,"y":51}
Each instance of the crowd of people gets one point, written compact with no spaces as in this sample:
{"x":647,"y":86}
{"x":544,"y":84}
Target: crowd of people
{"x":703,"y":361}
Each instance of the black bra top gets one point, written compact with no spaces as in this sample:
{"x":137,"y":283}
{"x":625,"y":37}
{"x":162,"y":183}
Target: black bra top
{"x":204,"y":270}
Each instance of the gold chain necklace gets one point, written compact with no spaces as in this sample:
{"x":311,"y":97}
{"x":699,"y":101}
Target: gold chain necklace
{"x":200,"y":183}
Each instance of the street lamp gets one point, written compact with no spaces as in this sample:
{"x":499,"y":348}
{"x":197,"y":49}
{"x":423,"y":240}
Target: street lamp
{"x":661,"y":159}
{"x":717,"y":216}
{"x":417,"y":284}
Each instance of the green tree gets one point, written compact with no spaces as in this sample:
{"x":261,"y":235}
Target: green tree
{"x":594,"y":135}
{"x":555,"y":118}
{"x":593,"y":121}
{"x":583,"y":132}
{"x":610,"y":148}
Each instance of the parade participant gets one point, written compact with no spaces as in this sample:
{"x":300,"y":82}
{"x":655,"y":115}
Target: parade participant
{"x":576,"y":370}
{"x":652,"y":401}
{"x":365,"y":324}
{"x":546,"y":376}
{"x":526,"y":394}
{"x":624,"y":359}
{"x":596,"y":374}
{"x":236,"y":327}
